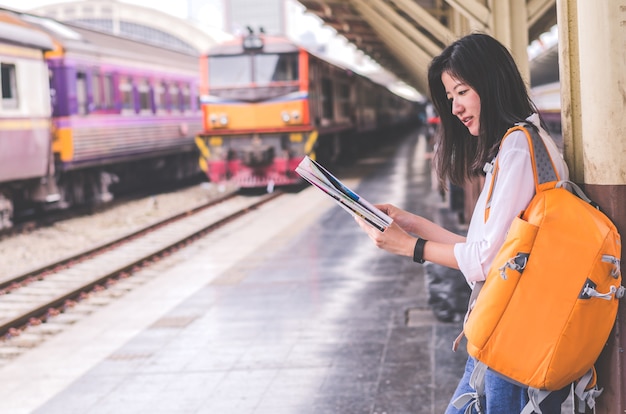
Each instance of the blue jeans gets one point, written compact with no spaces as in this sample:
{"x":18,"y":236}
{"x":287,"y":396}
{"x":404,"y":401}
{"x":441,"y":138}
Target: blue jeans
{"x":503,"y":397}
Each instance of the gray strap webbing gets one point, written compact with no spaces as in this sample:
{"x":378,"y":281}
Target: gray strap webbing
{"x":474,"y":296}
{"x":573,"y":189}
{"x":477,"y":382}
{"x":545,"y":168}
{"x":586,"y":397}
{"x":535,"y":397}
{"x":540,"y":157}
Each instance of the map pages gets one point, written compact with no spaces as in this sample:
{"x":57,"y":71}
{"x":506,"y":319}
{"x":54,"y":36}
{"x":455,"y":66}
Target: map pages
{"x":350,"y":201}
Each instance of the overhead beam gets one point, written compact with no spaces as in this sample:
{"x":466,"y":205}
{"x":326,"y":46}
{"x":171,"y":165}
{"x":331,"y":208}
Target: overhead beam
{"x":378,"y":27}
{"x":536,"y":9}
{"x":348,"y":22}
{"x":392,"y":35}
{"x":418,"y":38}
{"x":412,"y":57}
{"x":474,"y":11}
{"x":426,"y":20}
{"x":509,"y":26}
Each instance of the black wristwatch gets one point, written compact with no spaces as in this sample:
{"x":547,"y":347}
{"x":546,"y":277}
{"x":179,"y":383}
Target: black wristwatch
{"x":418,"y":251}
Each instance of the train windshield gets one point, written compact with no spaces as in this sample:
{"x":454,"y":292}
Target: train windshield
{"x":276,"y":68}
{"x":260,"y":69}
{"x":230,"y":71}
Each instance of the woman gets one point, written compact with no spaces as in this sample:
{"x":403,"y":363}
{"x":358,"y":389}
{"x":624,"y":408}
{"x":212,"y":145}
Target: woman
{"x":479,"y":94}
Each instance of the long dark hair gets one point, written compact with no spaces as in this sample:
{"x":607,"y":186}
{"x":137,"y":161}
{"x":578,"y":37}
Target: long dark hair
{"x":486,"y":66}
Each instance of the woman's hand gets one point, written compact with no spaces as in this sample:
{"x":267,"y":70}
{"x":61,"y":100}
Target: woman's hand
{"x":420,"y":226}
{"x":399,"y":237}
{"x":407,"y":221}
{"x":394,"y":239}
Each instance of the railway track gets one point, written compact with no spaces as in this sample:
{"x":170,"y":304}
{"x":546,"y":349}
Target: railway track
{"x":40,"y":296}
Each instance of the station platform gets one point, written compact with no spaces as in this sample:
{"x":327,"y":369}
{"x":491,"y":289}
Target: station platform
{"x":291,"y":310}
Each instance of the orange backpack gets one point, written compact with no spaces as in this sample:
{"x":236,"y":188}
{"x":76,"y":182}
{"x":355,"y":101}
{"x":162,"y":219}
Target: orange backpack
{"x":550,"y":299}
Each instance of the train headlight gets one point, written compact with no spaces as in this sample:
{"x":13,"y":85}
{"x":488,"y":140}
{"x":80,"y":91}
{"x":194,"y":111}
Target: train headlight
{"x":285,"y":117}
{"x":218,"y":120}
{"x":295,"y":115}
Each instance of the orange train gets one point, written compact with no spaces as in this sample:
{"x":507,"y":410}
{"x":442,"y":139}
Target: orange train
{"x":267,"y":102}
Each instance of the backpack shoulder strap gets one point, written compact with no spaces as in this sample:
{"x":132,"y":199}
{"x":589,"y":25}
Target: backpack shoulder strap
{"x":544,"y":171}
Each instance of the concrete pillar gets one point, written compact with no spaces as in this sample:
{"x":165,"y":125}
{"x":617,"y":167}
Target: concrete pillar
{"x":592,"y":43}
{"x":509,"y":24}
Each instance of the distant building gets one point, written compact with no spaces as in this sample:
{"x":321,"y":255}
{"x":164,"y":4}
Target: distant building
{"x":235,"y":16}
{"x":134,"y":22}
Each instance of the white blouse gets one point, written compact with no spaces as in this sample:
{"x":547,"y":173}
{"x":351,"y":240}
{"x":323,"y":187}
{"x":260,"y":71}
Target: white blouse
{"x":514,"y":189}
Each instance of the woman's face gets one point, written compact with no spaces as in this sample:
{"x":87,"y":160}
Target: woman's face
{"x":465,"y":102}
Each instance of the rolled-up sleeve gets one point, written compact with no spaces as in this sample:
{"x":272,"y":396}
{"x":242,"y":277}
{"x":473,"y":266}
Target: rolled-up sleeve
{"x":513,"y":191}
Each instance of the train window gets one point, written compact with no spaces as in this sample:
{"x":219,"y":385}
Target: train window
{"x":226,"y":71}
{"x":126,"y":88}
{"x":186,"y":97}
{"x":368,"y":96}
{"x":276,"y":68}
{"x":160,"y":102}
{"x":328,"y":104}
{"x":96,"y":90}
{"x":81,"y":92}
{"x":145,"y":103}
{"x":344,"y":100}
{"x":53,"y":91}
{"x":107,"y":91}
{"x":9,"y":86}
{"x":175,"y":97}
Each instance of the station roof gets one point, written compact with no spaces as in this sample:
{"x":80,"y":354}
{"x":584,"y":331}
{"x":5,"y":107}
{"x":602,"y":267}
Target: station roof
{"x":404,"y":35}
{"x":134,"y":22}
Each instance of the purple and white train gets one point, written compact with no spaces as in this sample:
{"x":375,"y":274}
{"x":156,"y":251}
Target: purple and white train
{"x":84,"y":113}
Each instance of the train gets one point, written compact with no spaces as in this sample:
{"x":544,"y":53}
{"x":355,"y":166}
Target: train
{"x":86,"y":114}
{"x":267,"y":102}
{"x":547,"y":98}
{"x":545,"y":89}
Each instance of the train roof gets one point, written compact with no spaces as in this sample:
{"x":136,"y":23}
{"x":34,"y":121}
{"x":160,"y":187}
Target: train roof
{"x":14,"y":30}
{"x":75,"y":38}
{"x":123,"y":47}
{"x":544,"y":68}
